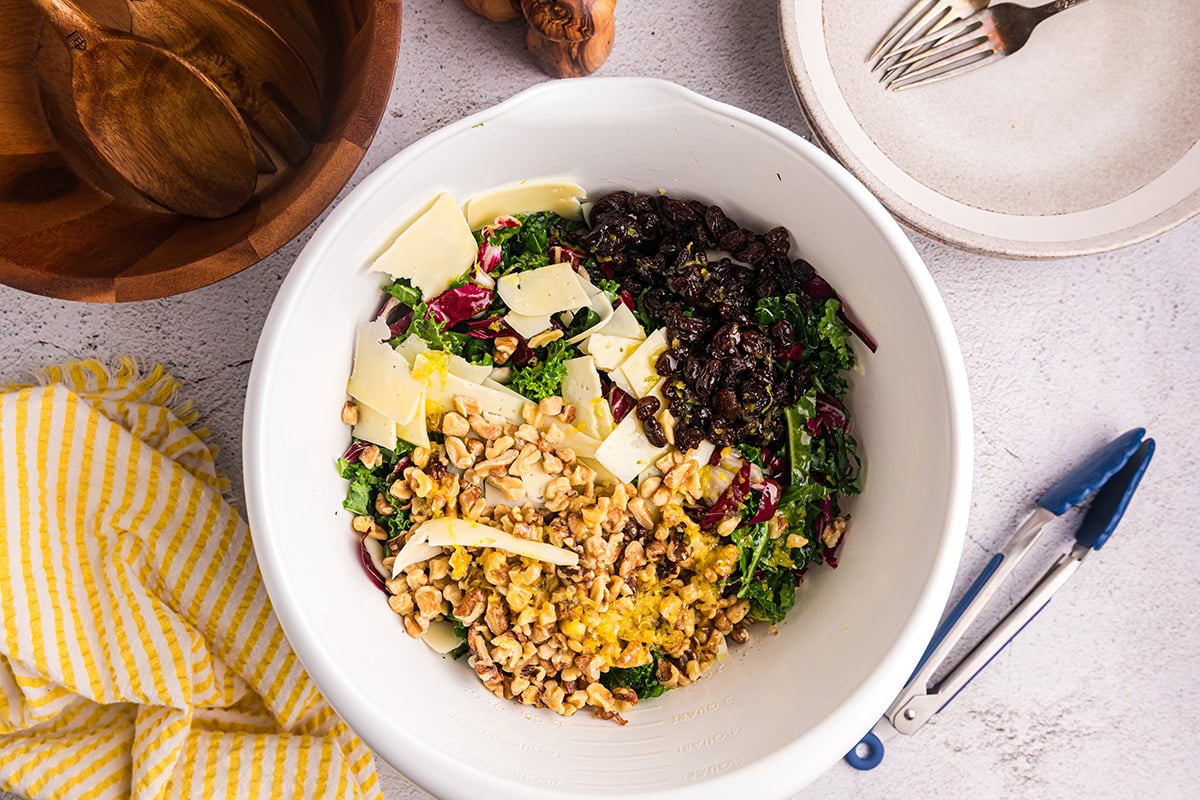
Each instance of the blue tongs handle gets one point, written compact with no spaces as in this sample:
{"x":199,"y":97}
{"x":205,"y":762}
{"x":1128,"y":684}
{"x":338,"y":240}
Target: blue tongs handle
{"x":1112,"y":474}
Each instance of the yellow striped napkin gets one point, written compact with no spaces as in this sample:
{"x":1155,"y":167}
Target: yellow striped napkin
{"x":139,"y":655}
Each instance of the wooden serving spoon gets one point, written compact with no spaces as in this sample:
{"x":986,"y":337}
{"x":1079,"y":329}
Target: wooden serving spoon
{"x":260,"y":73}
{"x":151,"y":118}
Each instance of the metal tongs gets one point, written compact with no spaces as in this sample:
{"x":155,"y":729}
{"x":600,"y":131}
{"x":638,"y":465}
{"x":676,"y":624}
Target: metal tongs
{"x":1112,"y":474}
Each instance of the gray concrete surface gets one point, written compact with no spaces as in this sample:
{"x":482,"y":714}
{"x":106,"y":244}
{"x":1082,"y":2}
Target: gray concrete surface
{"x":1098,"y":698}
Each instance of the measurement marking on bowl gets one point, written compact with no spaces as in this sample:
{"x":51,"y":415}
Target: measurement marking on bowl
{"x":617,"y":742}
{"x":609,"y":788}
{"x":707,"y":708}
{"x":624,"y":756}
{"x":713,"y":769}
{"x":475,"y":727}
{"x":608,"y":772}
{"x":536,"y":780}
{"x":533,"y":749}
{"x":707,"y":741}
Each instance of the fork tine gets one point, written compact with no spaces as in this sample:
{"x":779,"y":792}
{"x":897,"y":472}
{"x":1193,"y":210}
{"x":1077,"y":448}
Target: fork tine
{"x":952,"y":30}
{"x":903,"y":26}
{"x":929,"y":25}
{"x":897,"y":60}
{"x":949,"y":53}
{"x":931,"y":56}
{"x":920,"y":41}
{"x":982,"y":62}
{"x":965,"y":61}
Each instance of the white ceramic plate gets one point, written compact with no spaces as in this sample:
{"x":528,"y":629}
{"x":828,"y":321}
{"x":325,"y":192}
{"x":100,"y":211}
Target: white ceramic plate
{"x":779,"y":710}
{"x":1084,"y":141}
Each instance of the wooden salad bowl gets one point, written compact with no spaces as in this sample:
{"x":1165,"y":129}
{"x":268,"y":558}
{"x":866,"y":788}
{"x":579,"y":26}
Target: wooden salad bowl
{"x":63,"y":236}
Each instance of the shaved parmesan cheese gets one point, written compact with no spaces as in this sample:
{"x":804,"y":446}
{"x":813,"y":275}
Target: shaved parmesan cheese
{"x":624,"y":323}
{"x":414,"y":431}
{"x":449,"y":531}
{"x":638,"y":369}
{"x":575,"y":439}
{"x":545,"y":290}
{"x":534,"y":479}
{"x":442,"y":386}
{"x":618,"y":377}
{"x":527,"y":326}
{"x":561,"y":197}
{"x":415,"y":550}
{"x":648,"y":473}
{"x":492,"y":383}
{"x":608,"y":350}
{"x":581,"y":388}
{"x":381,"y":378}
{"x":604,"y":475}
{"x":375,"y":427}
{"x":701,"y":453}
{"x":432,"y":251}
{"x":604,"y":310}
{"x":627,"y":452}
{"x":413,"y":346}
{"x":440,"y":636}
{"x":475,"y":373}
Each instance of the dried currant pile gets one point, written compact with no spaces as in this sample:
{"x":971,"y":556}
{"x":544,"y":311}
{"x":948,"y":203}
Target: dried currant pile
{"x":730,"y":372}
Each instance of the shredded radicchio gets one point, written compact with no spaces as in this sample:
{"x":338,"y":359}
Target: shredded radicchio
{"x":370,"y":553}
{"x":460,"y":303}
{"x":730,"y":500}
{"x":773,"y":465}
{"x":718,"y":455}
{"x":389,"y":305}
{"x":830,"y":416}
{"x":769,"y":504}
{"x":490,"y":256}
{"x":793,"y":353}
{"x":404,"y":463}
{"x":620,"y":401}
{"x":354,"y":450}
{"x":819,"y":289}
{"x":565,"y":255}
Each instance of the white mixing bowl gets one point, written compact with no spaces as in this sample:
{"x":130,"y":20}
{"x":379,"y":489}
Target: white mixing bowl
{"x":778,"y":711}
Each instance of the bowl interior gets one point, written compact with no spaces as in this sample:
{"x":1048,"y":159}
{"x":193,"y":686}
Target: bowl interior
{"x":63,"y":237}
{"x":777,"y":711}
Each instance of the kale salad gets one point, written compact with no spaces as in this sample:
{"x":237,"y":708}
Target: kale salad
{"x":592,"y":443}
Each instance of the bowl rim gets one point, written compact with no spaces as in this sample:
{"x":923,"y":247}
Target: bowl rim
{"x":266,"y":235}
{"x":446,"y":776}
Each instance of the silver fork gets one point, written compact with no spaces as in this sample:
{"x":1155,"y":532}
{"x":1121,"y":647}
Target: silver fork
{"x":975,"y":41}
{"x":925,"y":18}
